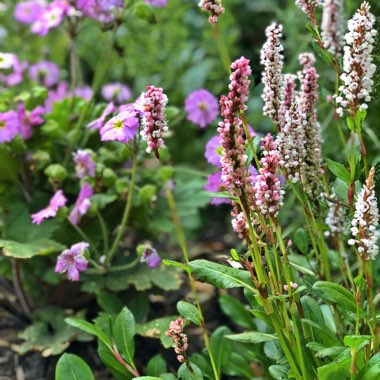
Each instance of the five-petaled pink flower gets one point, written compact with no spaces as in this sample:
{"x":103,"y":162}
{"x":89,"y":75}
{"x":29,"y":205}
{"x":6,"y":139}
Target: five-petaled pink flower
{"x":82,"y":203}
{"x":56,"y":202}
{"x":72,"y":261}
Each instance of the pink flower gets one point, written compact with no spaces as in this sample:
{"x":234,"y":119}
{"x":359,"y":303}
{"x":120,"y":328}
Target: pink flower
{"x":82,"y":203}
{"x":215,"y":185}
{"x":214,"y":7}
{"x":122,"y":127}
{"x":153,"y":104}
{"x":27,"y":12}
{"x":56,"y":202}
{"x":9,"y":126}
{"x":11,"y":69}
{"x":72,"y":261}
{"x":45,"y":73}
{"x":151,"y":258}
{"x":97,"y":123}
{"x":29,"y":119}
{"x":213,"y":151}
{"x":84,"y":164}
{"x":117,"y":92}
{"x":201,"y":107}
{"x":180,"y":344}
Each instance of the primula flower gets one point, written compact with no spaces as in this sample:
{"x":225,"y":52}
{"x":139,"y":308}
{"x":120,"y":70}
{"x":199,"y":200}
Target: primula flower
{"x":72,"y":261}
{"x":9,"y":126}
{"x":97,"y":123}
{"x":153,"y":104}
{"x":50,"y":17}
{"x":29,"y":119}
{"x":11,"y":69}
{"x":84,"y":164}
{"x":122,"y":127}
{"x":56,"y":202}
{"x":28,"y":12}
{"x":201,"y":107}
{"x":213,"y":151}
{"x":151,"y":258}
{"x":82,"y":203}
{"x":45,"y":73}
{"x":117,"y":92}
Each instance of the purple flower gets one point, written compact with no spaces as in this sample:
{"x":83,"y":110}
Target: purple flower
{"x":9,"y":126}
{"x":157,"y":3}
{"x":151,"y":258}
{"x":28,"y":12}
{"x":72,"y":261}
{"x":57,"y":201}
{"x":213,"y":151}
{"x":97,"y":123}
{"x":122,"y":127}
{"x":29,"y":119}
{"x":84,"y":92}
{"x":117,"y":92}
{"x":101,"y":10}
{"x":201,"y":107}
{"x":84,"y":164}
{"x":10,"y":69}
{"x":51,"y":17}
{"x":215,"y":184}
{"x":45,"y":73}
{"x":82,"y":204}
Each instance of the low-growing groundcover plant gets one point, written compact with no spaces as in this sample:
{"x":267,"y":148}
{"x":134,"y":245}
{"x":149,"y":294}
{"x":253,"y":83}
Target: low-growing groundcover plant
{"x":104,"y":187}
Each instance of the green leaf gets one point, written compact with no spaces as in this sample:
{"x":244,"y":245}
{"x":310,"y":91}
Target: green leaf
{"x":185,"y":374}
{"x":339,"y":170}
{"x":27,"y":250}
{"x":90,"y":329}
{"x":371,"y":371}
{"x":220,"y":194}
{"x":72,"y":367}
{"x":221,"y":276}
{"x":330,"y":351}
{"x":337,"y":369}
{"x":147,"y":378}
{"x":109,"y":302}
{"x":236,"y":311}
{"x":335,"y":293}
{"x":190,"y":312}
{"x":157,"y":329}
{"x":221,"y":348}
{"x":322,"y":335}
{"x":301,"y":240}
{"x":117,"y":370}
{"x":156,"y":366}
{"x":313,"y":312}
{"x":279,"y":371}
{"x":176,"y":264}
{"x":357,"y":342}
{"x":252,"y":337}
{"x":124,"y":331}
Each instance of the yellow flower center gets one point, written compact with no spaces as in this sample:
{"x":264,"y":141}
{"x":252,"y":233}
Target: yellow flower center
{"x":2,"y":124}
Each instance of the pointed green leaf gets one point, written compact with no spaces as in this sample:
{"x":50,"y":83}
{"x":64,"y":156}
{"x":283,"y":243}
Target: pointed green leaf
{"x":72,"y":367}
{"x":124,"y":331}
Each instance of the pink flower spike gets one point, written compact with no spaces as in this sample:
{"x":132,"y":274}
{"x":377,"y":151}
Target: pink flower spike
{"x":56,"y":202}
{"x":82,"y":203}
{"x":214,"y":7}
{"x":72,"y":261}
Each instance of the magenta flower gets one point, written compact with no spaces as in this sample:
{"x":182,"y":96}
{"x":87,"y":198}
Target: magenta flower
{"x":97,"y":123}
{"x":122,"y":127}
{"x":72,"y":261}
{"x":50,"y":17}
{"x":151,"y":258}
{"x":215,"y":185}
{"x":27,"y":12}
{"x":84,"y":164}
{"x":11,"y":69}
{"x":45,"y":73}
{"x":56,"y":202}
{"x":153,"y":103}
{"x":9,"y":126}
{"x":84,"y":92}
{"x":82,"y":203}
{"x":201,"y":107}
{"x":157,"y":3}
{"x":117,"y":92}
{"x":29,"y":119}
{"x":213,"y":151}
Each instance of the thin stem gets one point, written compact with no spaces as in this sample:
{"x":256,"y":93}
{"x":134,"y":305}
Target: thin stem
{"x":103,"y":227}
{"x":127,"y":210}
{"x":180,"y":233}
{"x":17,"y":285}
{"x":222,"y":48}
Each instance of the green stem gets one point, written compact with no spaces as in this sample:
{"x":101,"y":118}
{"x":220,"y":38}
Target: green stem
{"x":85,"y":237}
{"x":180,"y":233}
{"x":103,"y":227}
{"x":127,"y":210}
{"x":222,"y":48}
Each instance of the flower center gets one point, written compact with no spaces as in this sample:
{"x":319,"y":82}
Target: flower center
{"x":118,"y":124}
{"x":2,"y":124}
{"x":203,"y":106}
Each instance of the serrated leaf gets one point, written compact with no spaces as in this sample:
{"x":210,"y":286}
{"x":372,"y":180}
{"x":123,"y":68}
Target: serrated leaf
{"x":72,"y":367}
{"x":190,"y":312}
{"x":27,"y":250}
